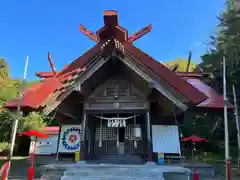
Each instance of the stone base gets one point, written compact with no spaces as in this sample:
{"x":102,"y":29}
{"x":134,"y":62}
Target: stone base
{"x":83,"y":151}
{"x":150,"y":163}
{"x":82,"y":162}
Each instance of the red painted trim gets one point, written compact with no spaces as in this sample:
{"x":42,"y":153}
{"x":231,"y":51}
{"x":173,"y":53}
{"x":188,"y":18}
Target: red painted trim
{"x":229,"y":170}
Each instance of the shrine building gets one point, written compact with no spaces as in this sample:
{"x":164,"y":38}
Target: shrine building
{"x":115,"y":100}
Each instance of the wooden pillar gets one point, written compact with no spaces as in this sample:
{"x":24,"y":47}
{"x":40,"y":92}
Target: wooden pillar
{"x":58,"y":140}
{"x":92,"y":134}
{"x":83,"y":144}
{"x":149,"y":137}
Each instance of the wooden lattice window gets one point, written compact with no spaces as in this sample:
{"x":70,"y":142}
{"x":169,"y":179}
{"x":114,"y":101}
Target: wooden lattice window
{"x":110,"y":92}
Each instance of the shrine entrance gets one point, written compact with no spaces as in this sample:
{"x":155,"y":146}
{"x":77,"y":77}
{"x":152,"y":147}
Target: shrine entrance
{"x":118,"y":134}
{"x":117,"y":115}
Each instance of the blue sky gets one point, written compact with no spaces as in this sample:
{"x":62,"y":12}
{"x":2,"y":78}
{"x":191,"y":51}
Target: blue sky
{"x":34,"y":27}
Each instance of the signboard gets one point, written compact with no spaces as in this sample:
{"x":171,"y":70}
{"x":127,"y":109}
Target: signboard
{"x":165,"y":139}
{"x":45,"y":146}
{"x":70,"y":138}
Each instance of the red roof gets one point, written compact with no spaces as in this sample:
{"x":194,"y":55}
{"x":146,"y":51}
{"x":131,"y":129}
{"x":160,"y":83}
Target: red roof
{"x":168,"y":76}
{"x":51,"y":130}
{"x":214,"y":100}
{"x":35,"y":96}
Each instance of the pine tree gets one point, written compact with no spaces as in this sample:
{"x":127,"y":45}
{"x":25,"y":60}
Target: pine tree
{"x":226,"y":42}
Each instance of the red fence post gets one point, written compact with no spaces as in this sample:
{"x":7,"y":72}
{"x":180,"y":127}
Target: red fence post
{"x":229,"y":169}
{"x":30,"y":173}
{"x":195,"y":175}
{"x":5,"y":171}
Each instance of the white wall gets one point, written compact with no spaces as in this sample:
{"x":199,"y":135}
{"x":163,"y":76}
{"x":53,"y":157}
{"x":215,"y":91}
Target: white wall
{"x":165,"y":139}
{"x":45,"y":146}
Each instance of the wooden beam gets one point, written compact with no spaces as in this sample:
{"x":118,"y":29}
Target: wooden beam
{"x":88,"y":33}
{"x":140,"y":33}
{"x":44,"y":74}
{"x":51,"y":64}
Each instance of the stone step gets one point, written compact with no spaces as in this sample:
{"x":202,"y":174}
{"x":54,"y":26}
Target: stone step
{"x":115,"y":172}
{"x":109,"y":178}
{"x":118,"y":172}
{"x":124,"y":159}
{"x":52,"y":173}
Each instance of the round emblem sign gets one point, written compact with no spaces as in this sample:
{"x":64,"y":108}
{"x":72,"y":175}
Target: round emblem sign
{"x":71,"y":138}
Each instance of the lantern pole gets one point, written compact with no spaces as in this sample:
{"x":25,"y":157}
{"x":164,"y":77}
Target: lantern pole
{"x":227,"y":160}
{"x":15,"y":127}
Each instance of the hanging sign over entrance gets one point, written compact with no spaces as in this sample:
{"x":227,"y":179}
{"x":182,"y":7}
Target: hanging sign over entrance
{"x":117,"y":123}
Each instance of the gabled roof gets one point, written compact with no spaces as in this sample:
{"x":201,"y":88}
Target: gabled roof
{"x":168,"y":76}
{"x":37,"y":95}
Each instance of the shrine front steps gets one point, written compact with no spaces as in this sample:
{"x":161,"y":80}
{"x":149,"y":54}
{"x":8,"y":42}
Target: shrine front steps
{"x":114,"y":172}
{"x":119,"y":159}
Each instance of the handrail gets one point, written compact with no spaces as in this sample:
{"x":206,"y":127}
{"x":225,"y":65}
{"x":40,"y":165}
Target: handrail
{"x":4,"y":168}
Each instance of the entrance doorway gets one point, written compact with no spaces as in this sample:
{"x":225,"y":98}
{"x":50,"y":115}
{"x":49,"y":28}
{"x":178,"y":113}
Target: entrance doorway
{"x":121,"y":138}
{"x":116,"y":141}
{"x":121,"y":134}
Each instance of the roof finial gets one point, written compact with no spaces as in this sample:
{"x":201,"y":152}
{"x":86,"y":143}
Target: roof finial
{"x":110,"y":18}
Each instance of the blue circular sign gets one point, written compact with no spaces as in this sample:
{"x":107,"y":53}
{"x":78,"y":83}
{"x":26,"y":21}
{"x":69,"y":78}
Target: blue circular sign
{"x":71,"y":138}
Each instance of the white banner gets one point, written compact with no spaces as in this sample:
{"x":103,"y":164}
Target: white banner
{"x":70,"y":138}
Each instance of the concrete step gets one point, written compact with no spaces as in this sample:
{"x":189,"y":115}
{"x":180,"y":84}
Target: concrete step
{"x":124,"y":159}
{"x":52,"y":172}
{"x":120,"y":172}
{"x":202,"y":169}
{"x":127,"y":172}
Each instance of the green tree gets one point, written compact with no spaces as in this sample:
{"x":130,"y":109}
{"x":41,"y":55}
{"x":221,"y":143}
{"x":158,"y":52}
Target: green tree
{"x":33,"y":120}
{"x":6,"y":91}
{"x":181,"y":65}
{"x":226,"y":41}
{"x":9,"y":88}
